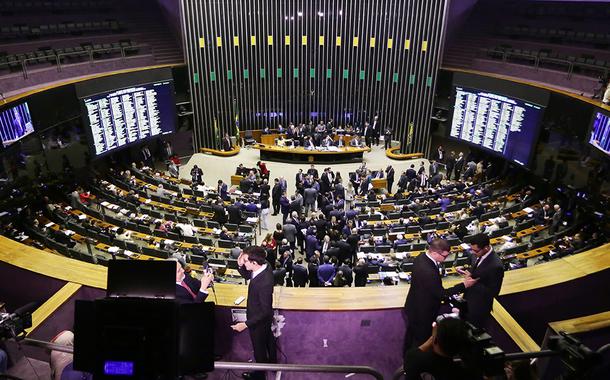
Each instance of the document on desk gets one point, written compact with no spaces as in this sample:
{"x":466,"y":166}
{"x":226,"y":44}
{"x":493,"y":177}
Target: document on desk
{"x":529,"y":210}
{"x":332,"y":148}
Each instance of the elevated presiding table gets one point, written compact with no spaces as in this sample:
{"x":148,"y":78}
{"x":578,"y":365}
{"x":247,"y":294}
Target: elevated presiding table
{"x":300,"y":154}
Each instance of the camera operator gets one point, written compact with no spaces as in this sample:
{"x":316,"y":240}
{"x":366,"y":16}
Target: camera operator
{"x":435,"y":356}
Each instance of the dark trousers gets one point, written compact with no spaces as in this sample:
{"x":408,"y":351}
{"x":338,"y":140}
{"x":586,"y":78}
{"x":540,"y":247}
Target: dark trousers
{"x":390,"y":183}
{"x":376,"y":139}
{"x":276,"y":207}
{"x":417,"y":333}
{"x":368,"y":141}
{"x":388,"y":143}
{"x":263,"y":343}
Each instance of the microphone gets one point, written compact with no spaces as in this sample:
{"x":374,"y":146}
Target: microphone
{"x":27,"y":308}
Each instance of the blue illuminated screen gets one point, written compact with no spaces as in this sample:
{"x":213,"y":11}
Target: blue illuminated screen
{"x":118,"y":368}
{"x":600,"y":133}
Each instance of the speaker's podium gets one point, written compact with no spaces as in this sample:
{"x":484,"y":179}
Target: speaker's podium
{"x":139,"y":331}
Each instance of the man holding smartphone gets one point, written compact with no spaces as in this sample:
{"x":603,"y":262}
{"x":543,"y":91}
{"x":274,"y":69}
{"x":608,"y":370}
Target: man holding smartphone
{"x":189,"y":289}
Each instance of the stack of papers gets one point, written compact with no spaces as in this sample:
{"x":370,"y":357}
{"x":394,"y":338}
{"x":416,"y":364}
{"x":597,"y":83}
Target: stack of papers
{"x":529,"y":210}
{"x":49,"y":224}
{"x":465,"y":246}
{"x":113,"y":249}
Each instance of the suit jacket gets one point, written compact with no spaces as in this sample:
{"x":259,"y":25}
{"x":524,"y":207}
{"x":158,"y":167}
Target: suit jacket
{"x":300,"y":275}
{"x":309,"y":196}
{"x":480,"y":296}
{"x":390,"y":175}
{"x":276,"y":192}
{"x":222,"y":191}
{"x":290,"y":232}
{"x":259,"y":310}
{"x":183,"y":296}
{"x":235,"y":216}
{"x":424,"y":299}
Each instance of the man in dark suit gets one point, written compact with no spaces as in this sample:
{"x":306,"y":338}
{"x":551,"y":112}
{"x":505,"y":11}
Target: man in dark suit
{"x":424,"y":298}
{"x":312,"y":171}
{"x":450,"y":165}
{"x":488,"y":271}
{"x":220,"y":215}
{"x":458,"y":166}
{"x":300,"y":275}
{"x":276,"y":194}
{"x":222,"y":190}
{"x":259,"y":312}
{"x":368,"y":134}
{"x":235,"y":215}
{"x":389,"y":173}
{"x":189,"y":289}
{"x":226,"y":143}
{"x":376,"y":130}
{"x":387,"y":138}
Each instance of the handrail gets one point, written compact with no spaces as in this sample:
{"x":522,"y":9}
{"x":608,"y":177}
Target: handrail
{"x":537,"y":59}
{"x":245,"y":366}
{"x":89,"y":52}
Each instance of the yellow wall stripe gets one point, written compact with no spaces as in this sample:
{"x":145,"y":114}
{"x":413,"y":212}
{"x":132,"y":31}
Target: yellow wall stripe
{"x":46,"y":309}
{"x":513,"y":329}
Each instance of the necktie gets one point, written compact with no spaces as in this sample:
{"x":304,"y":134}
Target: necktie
{"x":476,"y":264}
{"x":185,"y":286}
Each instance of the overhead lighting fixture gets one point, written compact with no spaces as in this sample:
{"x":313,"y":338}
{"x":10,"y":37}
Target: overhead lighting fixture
{"x":340,"y":12}
{"x":300,"y":14}
{"x":291,"y":18}
{"x":321,"y":14}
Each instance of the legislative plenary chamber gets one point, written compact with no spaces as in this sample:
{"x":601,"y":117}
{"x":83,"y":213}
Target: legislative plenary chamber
{"x":304,"y":189}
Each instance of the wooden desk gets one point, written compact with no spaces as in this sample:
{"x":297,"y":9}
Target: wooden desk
{"x":379,"y":183}
{"x":270,"y":139}
{"x":300,"y":154}
{"x":236,"y":179}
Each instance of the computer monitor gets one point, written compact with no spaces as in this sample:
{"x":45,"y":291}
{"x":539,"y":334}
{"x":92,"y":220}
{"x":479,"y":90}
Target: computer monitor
{"x":15,"y":123}
{"x":143,"y":279}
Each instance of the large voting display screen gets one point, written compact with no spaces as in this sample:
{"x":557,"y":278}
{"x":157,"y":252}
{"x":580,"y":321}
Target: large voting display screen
{"x":600,"y":132}
{"x":497,"y":123}
{"x":129,"y":115}
{"x":15,"y":124}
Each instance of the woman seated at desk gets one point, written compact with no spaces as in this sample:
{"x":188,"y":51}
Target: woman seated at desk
{"x":280,"y":141}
